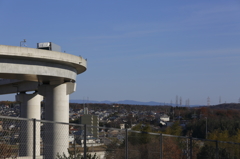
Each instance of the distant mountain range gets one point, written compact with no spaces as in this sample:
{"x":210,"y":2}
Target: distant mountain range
{"x":118,"y":102}
{"x":131,"y":102}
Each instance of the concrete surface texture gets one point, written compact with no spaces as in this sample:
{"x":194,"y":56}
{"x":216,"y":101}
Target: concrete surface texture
{"x":30,"y":108}
{"x":52,"y":76}
{"x":39,"y":65}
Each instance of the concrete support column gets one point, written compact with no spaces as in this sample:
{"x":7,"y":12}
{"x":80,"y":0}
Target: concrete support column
{"x":56,"y":136}
{"x":30,"y":108}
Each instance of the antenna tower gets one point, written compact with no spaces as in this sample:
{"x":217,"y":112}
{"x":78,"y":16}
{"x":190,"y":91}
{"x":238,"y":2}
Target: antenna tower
{"x":208,"y":101}
{"x":180,"y":101}
{"x":220,"y":100}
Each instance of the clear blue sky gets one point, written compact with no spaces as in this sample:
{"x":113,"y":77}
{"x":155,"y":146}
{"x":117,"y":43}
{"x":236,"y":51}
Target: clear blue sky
{"x":137,"y":50}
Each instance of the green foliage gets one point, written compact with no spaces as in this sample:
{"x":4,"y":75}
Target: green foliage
{"x":142,"y":127}
{"x":236,"y":138}
{"x":198,"y":128}
{"x":219,"y":135}
{"x":140,"y":138}
{"x":77,"y":156}
{"x":223,"y":120}
{"x":174,"y":129}
{"x":209,"y":152}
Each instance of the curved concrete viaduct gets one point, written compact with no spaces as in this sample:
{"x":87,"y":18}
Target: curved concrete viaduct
{"x":51,"y":75}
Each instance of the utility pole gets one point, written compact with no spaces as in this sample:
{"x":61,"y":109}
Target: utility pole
{"x":180,"y":101}
{"x":176,"y":100}
{"x":220,"y":100}
{"x":206,"y":127}
{"x":179,"y":115}
{"x":187,"y":102}
{"x":173,"y":114}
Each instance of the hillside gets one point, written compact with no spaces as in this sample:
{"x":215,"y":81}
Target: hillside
{"x":227,"y":106}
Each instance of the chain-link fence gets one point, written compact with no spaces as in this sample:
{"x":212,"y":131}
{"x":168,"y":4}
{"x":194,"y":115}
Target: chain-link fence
{"x":40,"y":139}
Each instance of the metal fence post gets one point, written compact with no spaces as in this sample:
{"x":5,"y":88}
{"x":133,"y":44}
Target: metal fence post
{"x":85,"y":141}
{"x":216,"y":149}
{"x":34,"y":138}
{"x":126,"y":143}
{"x":74,"y":146}
{"x":191,"y":147}
{"x":161,"y":152}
